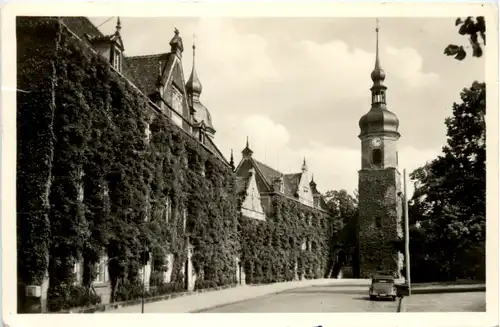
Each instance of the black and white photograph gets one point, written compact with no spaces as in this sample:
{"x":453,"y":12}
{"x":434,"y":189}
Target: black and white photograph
{"x":251,"y":163}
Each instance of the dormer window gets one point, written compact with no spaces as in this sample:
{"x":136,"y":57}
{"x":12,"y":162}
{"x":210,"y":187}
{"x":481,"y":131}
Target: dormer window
{"x":202,"y":136}
{"x":117,"y":59}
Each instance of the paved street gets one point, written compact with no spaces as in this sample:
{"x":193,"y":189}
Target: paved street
{"x":353,"y":299}
{"x":328,"y":298}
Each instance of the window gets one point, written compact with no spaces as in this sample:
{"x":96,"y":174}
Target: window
{"x":378,"y":97}
{"x":202,"y":137}
{"x":168,"y":209}
{"x":378,"y":222}
{"x":148,"y":133}
{"x":184,"y":218}
{"x":77,"y":270}
{"x":117,"y":60}
{"x":101,"y":276}
{"x":176,"y":100}
{"x":377,"y":156}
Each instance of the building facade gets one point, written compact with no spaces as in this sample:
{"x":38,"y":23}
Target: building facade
{"x":116,"y":137}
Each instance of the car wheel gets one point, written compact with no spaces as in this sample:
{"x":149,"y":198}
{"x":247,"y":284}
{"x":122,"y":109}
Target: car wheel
{"x":372,"y":297}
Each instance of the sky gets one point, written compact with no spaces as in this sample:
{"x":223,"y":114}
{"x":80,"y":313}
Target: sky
{"x":297,"y":87}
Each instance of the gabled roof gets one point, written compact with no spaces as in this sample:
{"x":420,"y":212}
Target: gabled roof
{"x":292,"y":182}
{"x":82,"y":27}
{"x":142,"y":71}
{"x":265,"y":177}
{"x":241,"y":185}
{"x":146,"y":70}
{"x":269,"y":174}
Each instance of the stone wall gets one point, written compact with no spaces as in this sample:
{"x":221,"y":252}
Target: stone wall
{"x":379,"y":222}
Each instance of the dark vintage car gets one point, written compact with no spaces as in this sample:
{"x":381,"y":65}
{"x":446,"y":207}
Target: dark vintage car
{"x":383,"y":287}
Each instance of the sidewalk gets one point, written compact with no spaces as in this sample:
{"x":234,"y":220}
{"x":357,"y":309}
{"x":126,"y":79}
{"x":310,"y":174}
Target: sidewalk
{"x":203,"y":301}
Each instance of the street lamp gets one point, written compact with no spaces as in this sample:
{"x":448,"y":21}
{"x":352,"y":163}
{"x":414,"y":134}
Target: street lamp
{"x":407,"y":231}
{"x":145,"y":259}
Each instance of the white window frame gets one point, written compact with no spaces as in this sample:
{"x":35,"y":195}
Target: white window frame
{"x":184,"y":218}
{"x":168,"y":209}
{"x":102,"y":273}
{"x":117,"y":59}
{"x":177,"y":100}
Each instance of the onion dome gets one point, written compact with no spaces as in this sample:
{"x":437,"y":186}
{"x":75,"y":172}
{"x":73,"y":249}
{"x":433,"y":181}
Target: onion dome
{"x":193,"y":84}
{"x":194,"y":88}
{"x":378,"y":119}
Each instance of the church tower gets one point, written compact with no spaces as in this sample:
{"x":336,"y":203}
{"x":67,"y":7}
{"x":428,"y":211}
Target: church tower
{"x":380,"y":211}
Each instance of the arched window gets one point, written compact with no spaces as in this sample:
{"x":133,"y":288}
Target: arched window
{"x":377,"y":156}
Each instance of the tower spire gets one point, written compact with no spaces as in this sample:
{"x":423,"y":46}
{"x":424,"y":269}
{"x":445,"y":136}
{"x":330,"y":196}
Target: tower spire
{"x":193,"y":85}
{"x":304,"y":165}
{"x":377,"y":60}
{"x":231,"y":160}
{"x":247,"y":152}
{"x":118,"y":25}
{"x":378,"y":76}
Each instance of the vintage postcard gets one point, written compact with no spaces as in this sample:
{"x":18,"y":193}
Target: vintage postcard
{"x":297,"y":164}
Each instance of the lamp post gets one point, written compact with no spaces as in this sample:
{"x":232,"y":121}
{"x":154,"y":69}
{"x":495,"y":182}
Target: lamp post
{"x":407,"y":232}
{"x":144,"y":261}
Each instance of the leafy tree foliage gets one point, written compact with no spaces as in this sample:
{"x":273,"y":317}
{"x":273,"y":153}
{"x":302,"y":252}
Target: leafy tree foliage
{"x":344,"y":208}
{"x":475,"y":29}
{"x":449,"y":202}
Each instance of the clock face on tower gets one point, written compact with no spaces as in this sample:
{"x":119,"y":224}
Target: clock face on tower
{"x":376,"y":142}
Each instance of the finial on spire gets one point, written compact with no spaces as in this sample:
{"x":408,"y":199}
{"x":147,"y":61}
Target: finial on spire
{"x":378,"y":74}
{"x":304,"y":165}
{"x":247,"y":152}
{"x":118,"y":25}
{"x":231,"y":160}
{"x":194,"y":48}
{"x":377,"y":62}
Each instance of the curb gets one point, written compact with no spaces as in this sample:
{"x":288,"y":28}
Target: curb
{"x":475,"y":288}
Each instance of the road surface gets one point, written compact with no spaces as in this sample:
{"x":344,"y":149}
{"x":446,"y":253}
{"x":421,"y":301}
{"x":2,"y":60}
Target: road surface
{"x":313,"y":299}
{"x":333,"y":298}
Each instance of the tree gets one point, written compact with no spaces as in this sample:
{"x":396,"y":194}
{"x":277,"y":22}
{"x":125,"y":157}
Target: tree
{"x":342,"y":204}
{"x":475,"y":29}
{"x":449,"y":200}
{"x":344,"y":209}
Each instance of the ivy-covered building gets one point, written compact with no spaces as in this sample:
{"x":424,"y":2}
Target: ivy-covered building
{"x":286,"y":225}
{"x":119,"y":180}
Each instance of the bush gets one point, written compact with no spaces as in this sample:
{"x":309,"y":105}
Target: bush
{"x":64,"y":297}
